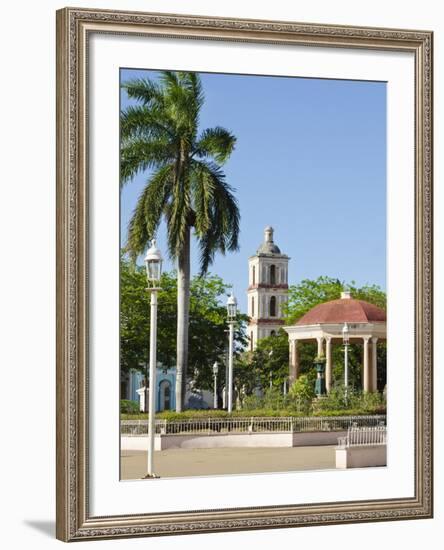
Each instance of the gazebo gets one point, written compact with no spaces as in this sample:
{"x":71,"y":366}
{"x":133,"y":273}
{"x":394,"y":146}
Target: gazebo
{"x":324,"y":323}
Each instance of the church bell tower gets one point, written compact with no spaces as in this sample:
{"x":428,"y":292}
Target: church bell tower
{"x":267,"y":289}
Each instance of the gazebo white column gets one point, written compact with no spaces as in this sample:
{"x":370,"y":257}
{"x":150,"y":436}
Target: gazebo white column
{"x":328,"y":377}
{"x":320,"y":345}
{"x":294,"y":361}
{"x":374,"y":365}
{"x":367,"y":381}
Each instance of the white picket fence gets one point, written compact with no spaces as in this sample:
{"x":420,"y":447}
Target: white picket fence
{"x":254,"y":424}
{"x":358,"y":436}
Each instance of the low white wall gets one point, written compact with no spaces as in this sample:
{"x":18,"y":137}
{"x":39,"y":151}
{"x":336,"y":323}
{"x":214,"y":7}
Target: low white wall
{"x":214,"y":441}
{"x":308,"y":439}
{"x":361,"y":456}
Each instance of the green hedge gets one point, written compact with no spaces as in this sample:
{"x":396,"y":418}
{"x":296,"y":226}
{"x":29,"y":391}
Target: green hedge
{"x":129,"y":407}
{"x":349,"y":412}
{"x":211,"y":413}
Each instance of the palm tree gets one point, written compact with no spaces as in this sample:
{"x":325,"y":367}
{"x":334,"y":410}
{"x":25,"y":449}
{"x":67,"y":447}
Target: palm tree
{"x":186,"y":186}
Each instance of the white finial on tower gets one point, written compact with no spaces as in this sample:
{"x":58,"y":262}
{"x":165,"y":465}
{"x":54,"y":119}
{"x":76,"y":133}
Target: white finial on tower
{"x":268,"y":234}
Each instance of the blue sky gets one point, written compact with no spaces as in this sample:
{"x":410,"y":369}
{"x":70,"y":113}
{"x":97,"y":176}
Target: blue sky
{"x":310,"y":160}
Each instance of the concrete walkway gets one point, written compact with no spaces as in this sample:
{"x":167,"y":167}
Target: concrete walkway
{"x":206,"y":462}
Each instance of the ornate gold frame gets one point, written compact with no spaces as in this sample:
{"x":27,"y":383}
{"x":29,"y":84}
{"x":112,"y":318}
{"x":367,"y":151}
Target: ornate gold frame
{"x":73,"y":519}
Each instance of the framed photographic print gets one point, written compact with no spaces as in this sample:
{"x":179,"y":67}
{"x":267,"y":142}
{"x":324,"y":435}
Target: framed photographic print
{"x":244,"y":274}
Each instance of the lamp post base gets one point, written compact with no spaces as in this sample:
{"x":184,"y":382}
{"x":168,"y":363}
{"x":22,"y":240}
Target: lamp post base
{"x":151,"y":476}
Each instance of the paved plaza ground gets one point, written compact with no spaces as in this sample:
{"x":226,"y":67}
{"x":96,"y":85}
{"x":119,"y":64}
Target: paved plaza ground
{"x":205,"y":462}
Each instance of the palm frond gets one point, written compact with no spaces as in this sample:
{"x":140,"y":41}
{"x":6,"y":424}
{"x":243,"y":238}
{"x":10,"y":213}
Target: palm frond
{"x":183,"y":100}
{"x":144,"y":122}
{"x":218,"y":226}
{"x":178,"y":216}
{"x":193,"y":84}
{"x":144,"y":90}
{"x":203,"y":194}
{"x":148,"y":212}
{"x":216,"y":142}
{"x":139,"y":155}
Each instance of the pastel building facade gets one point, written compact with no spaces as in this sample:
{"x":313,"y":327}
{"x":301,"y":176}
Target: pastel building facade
{"x":133,"y":388}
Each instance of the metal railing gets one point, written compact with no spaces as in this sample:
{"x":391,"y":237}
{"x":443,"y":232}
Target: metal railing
{"x":253,"y":425}
{"x":358,"y":436}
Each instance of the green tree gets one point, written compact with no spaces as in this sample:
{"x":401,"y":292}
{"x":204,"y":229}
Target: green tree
{"x":135,"y":318}
{"x":208,"y":326}
{"x":302,"y":388}
{"x":208,"y":339}
{"x":311,"y":292}
{"x":269,"y":360}
{"x":186,"y":185}
{"x":254,"y":370}
{"x":302,"y":393}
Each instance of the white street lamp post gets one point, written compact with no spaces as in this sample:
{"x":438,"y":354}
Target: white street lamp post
{"x":231,"y":311}
{"x":225,"y":390}
{"x":346,"y":341}
{"x":270,"y":353}
{"x":153,"y":264}
{"x":215,"y":370}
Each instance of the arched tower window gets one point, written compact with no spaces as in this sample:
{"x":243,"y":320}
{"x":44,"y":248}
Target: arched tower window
{"x":251,"y":341}
{"x":254,"y":275}
{"x":273,"y":306}
{"x":252,"y":306}
{"x":272,"y":274}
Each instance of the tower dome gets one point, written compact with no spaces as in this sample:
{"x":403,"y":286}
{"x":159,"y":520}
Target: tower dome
{"x":268,"y":246}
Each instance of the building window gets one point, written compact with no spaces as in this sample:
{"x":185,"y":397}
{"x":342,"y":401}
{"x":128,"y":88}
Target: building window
{"x":165,"y":395}
{"x":273,"y":306}
{"x":252,"y":307}
{"x":272,"y":274}
{"x":251,"y":341}
{"x":254,"y":275}
{"x":167,"y":398}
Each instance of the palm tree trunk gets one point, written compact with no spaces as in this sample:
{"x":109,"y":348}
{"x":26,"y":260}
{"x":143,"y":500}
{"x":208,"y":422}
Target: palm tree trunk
{"x":183,"y":309}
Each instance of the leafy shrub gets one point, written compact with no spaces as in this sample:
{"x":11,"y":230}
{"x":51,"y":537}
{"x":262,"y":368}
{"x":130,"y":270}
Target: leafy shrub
{"x":350,"y":401}
{"x":129,"y":407}
{"x":272,"y":401}
{"x":295,"y":404}
{"x":252,"y":402}
{"x":192,"y":413}
{"x":301,"y":394}
{"x":373,"y":401}
{"x":344,"y":412}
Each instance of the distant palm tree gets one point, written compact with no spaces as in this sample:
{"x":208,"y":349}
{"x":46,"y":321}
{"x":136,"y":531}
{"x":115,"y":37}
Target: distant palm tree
{"x":186,"y":186}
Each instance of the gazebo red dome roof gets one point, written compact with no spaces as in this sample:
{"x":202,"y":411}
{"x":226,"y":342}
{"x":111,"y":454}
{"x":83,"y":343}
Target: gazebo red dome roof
{"x":344,"y":310}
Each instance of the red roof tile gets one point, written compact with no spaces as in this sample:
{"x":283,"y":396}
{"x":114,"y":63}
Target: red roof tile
{"x":343,"y":311}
